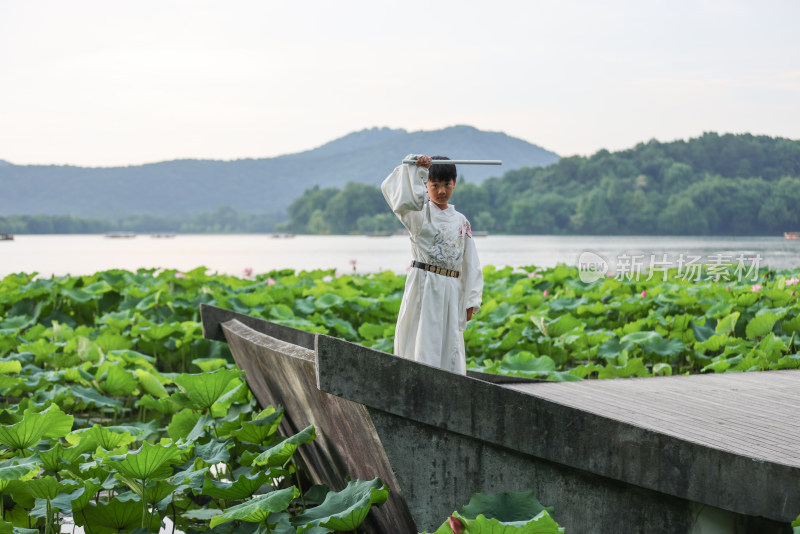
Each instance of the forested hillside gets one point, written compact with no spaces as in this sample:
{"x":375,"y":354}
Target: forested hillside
{"x":185,"y":188}
{"x":711,"y":185}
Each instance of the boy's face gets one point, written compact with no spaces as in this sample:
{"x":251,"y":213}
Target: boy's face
{"x":440,"y":192}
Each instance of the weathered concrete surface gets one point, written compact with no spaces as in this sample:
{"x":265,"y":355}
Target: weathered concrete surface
{"x":448,"y":436}
{"x":547,"y":431}
{"x":284,"y":374}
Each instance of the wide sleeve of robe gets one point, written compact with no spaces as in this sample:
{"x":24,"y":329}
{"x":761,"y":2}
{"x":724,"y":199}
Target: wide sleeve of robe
{"x":471,"y":277}
{"x":406,"y":192}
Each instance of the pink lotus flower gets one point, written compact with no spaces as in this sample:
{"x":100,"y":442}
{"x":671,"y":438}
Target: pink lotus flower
{"x":644,"y":293}
{"x":456,"y":525}
{"x":353,"y":263}
{"x":546,"y":293}
{"x":792,"y":281}
{"x":756,"y":287}
{"x":728,"y":288}
{"x":248,"y":271}
{"x":271,"y":282}
{"x":180,"y":275}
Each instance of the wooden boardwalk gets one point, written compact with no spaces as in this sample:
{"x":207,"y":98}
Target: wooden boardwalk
{"x":755,"y":415}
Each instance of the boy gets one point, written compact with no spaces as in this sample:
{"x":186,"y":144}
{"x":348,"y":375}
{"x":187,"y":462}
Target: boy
{"x":445,"y":284}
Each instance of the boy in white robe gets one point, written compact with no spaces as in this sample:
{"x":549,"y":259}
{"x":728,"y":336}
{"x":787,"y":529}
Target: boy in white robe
{"x":444,"y":286}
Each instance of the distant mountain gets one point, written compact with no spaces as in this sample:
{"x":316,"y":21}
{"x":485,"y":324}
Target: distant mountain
{"x":185,"y":187}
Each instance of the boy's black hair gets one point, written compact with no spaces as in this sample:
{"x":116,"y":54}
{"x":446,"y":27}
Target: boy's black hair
{"x":442,"y":173}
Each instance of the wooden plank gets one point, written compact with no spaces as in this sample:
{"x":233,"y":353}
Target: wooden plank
{"x":753,"y":414}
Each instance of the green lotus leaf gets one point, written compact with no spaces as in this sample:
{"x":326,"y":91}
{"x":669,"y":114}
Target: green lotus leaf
{"x":15,"y":470}
{"x":114,"y":516}
{"x":77,"y":295}
{"x":344,"y":510}
{"x":702,"y":332}
{"x":208,"y":365}
{"x":541,"y":524}
{"x":158,"y":332}
{"x":328,"y":300}
{"x":150,"y":384}
{"x":524,"y":363}
{"x":88,"y":350}
{"x":506,"y":506}
{"x":214,"y":452}
{"x":10,"y":367}
{"x":792,"y":326}
{"x":44,"y":487}
{"x":118,"y":382}
{"x":183,"y":423}
{"x":107,"y":438}
{"x":727,"y":324}
{"x":788,"y":362}
{"x":147,"y":461}
{"x":72,"y":497}
{"x":611,"y":348}
{"x":772,"y":346}
{"x":7,"y":527}
{"x":206,"y":388}
{"x":235,"y":392}
{"x":370,"y":331}
{"x":167,"y":405}
{"x":641,"y":338}
{"x":134,"y":358}
{"x":54,"y":458}
{"x":500,"y":314}
{"x":189,"y":425}
{"x":281,"y":312}
{"x":633,"y":367}
{"x":90,"y":396}
{"x":244,"y":486}
{"x":261,"y":428}
{"x":257,"y":509}
{"x":664,"y":347}
{"x":112,"y":342}
{"x":282,"y":452}
{"x":202,"y":514}
{"x":760,"y":325}
{"x":51,"y":423}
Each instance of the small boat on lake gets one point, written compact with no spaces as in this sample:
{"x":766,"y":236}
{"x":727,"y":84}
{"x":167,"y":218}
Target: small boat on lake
{"x":162,"y":235}
{"x":791,"y":235}
{"x":120,"y":235}
{"x":6,"y":237}
{"x":282,"y":236}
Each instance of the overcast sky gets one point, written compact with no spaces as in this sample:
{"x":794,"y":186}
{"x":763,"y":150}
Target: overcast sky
{"x":102,"y":83}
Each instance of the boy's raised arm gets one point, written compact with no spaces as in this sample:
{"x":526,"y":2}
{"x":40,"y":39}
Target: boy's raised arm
{"x":405,"y":190}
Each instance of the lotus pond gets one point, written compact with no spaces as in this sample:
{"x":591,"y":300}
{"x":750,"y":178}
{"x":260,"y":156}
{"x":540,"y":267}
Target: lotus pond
{"x":116,"y":414}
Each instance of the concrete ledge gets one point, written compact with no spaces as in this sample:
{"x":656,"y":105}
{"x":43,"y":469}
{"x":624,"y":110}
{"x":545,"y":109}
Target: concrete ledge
{"x":436,"y":438}
{"x":558,"y":433}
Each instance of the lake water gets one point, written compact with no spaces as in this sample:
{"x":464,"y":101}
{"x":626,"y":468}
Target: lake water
{"x":232,"y":254}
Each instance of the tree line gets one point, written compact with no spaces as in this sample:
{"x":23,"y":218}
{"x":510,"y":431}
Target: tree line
{"x":710,"y":185}
{"x":223,"y":220}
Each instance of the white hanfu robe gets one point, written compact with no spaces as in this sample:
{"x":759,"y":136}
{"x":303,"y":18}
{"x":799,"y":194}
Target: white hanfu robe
{"x":433,"y":313}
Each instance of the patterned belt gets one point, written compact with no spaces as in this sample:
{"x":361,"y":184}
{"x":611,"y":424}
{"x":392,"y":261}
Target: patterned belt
{"x":434,"y":269}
